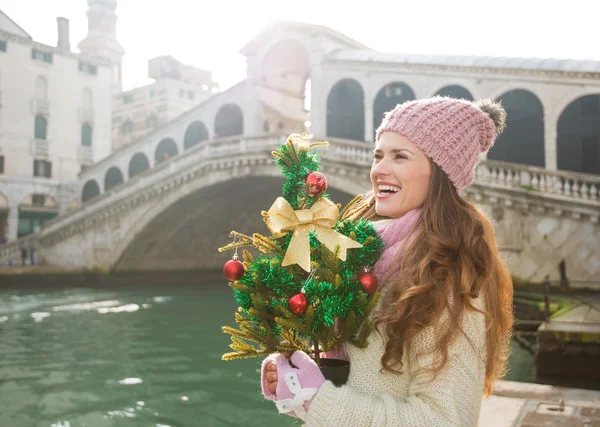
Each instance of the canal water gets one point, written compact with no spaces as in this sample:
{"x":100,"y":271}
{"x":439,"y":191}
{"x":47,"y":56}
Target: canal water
{"x":136,"y":356}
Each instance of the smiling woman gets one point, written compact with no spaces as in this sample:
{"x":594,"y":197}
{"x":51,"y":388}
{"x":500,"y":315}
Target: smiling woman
{"x":400,"y":175}
{"x":442,"y":330}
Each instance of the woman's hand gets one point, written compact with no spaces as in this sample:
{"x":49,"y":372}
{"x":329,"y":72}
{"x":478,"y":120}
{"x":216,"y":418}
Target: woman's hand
{"x":268,"y":374}
{"x":292,"y":383}
{"x":271,"y":367}
{"x":271,"y":376}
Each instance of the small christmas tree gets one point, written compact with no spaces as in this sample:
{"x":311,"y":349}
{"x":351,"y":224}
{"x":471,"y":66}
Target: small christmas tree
{"x":310,"y":289}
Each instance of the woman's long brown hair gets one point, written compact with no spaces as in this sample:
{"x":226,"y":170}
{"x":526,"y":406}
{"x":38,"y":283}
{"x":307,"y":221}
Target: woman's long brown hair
{"x":453,"y":257}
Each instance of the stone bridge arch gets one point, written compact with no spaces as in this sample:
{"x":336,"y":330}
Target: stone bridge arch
{"x":186,"y":228}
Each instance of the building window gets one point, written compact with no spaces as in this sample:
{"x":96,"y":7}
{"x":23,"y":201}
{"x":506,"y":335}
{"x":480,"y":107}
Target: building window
{"x":41,"y":56}
{"x":151,"y":121}
{"x":161,"y":108}
{"x":182,"y":93}
{"x":127,"y":127}
{"x":128,"y":99}
{"x":88,"y":68}
{"x":41,"y":127}
{"x":152,"y":93}
{"x":1,"y":164}
{"x":2,"y":45}
{"x":42,"y":168}
{"x":38,"y":199}
{"x":86,"y":135}
{"x":191,"y":95}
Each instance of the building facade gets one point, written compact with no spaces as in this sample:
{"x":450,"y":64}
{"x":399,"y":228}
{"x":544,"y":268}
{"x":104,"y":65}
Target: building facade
{"x":101,"y":40}
{"x":55,"y":119}
{"x":176,"y":89}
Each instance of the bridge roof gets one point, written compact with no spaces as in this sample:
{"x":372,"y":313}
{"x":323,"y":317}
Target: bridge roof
{"x":282,"y":25}
{"x":539,"y":64}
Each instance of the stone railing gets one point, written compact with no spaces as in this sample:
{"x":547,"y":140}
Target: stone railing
{"x":348,"y":151}
{"x":168,"y":169}
{"x":562,"y":184}
{"x":12,"y":251}
{"x":553,"y":184}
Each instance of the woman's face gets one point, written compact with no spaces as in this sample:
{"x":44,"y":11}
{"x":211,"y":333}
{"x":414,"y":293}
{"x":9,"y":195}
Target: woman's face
{"x":400,"y":175}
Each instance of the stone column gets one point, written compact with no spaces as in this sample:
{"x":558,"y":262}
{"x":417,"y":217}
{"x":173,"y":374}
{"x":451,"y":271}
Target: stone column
{"x":318,"y":103}
{"x":550,"y":135}
{"x":13,"y":222}
{"x":253,"y":114}
{"x":253,"y":111}
{"x":369,"y":131}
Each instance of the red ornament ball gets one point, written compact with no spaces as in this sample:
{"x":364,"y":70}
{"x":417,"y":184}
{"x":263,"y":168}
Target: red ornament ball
{"x":317,"y":183}
{"x":368,"y":282}
{"x":297,"y":304}
{"x":233,"y":269}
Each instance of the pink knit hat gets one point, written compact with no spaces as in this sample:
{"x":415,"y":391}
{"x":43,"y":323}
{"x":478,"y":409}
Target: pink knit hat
{"x":452,"y":132}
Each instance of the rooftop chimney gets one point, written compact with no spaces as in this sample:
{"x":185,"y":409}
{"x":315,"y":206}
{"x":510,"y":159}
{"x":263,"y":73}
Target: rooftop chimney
{"x":63,"y":34}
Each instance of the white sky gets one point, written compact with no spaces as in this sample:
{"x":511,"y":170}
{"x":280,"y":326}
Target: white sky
{"x":209,"y":34}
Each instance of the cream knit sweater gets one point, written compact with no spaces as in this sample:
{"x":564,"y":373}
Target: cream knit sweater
{"x":373,"y":398}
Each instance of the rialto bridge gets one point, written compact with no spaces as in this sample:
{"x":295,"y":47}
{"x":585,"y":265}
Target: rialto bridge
{"x":168,"y":200}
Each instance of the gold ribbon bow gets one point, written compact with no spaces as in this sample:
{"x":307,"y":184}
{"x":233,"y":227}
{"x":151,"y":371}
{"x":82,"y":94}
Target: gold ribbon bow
{"x":303,"y":141}
{"x":320,"y":219}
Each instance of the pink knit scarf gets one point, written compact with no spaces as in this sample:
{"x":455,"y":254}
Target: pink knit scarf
{"x":393,"y":234}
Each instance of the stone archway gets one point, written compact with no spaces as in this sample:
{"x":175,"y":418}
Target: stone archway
{"x":166,"y":148}
{"x":346,"y":111}
{"x":388,"y":97}
{"x":523,"y":139}
{"x":186,"y":233}
{"x":91,"y":189}
{"x":138,"y":164}
{"x":455,"y":91}
{"x":578,"y":136}
{"x":113,"y":177}
{"x":194,"y":134}
{"x":229,"y":121}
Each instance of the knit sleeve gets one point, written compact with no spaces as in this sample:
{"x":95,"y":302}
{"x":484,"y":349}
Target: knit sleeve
{"x":453,"y":398}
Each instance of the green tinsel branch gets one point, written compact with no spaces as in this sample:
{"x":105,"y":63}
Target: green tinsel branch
{"x":334,"y":295}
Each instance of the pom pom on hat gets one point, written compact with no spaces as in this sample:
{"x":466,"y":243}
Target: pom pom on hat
{"x":495,"y":111}
{"x":451,"y":132}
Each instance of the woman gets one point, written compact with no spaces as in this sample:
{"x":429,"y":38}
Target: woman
{"x":442,"y":332}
